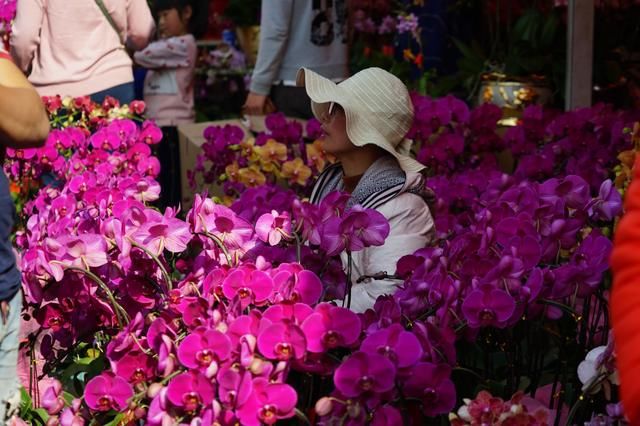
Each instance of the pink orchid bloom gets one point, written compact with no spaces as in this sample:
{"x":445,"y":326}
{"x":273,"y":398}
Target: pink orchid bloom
{"x":167,"y":233}
{"x":272,"y":227}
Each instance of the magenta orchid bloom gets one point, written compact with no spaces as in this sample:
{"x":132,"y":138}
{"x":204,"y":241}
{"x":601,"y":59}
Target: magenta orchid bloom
{"x":150,"y":133}
{"x":402,"y":347}
{"x":272,"y":227}
{"x":488,"y":306}
{"x":432,"y":384}
{"x":135,"y":366}
{"x":84,"y":251}
{"x":269,"y":402}
{"x":365,"y":373}
{"x":330,"y":327}
{"x":250,"y":286}
{"x":220,"y":221}
{"x":190,"y":391}
{"x":107,"y":392}
{"x":296,"y":284}
{"x":386,"y":415}
{"x":235,"y":387}
{"x":203,"y":348}
{"x":167,"y":233}
{"x":282,"y":341}
{"x":53,"y":400}
{"x":293,"y":312}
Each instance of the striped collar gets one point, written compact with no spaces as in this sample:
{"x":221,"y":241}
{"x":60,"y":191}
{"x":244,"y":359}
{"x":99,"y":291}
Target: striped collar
{"x":381,"y":182}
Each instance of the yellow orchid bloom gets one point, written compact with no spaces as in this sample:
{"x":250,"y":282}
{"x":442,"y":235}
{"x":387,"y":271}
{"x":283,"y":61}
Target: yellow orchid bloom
{"x":296,"y":171}
{"x":317,"y":156}
{"x":251,"y":176}
{"x":247,"y":150}
{"x":272,"y":151}
{"x":232,"y":171}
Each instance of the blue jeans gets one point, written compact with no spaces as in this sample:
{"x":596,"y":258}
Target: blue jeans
{"x":9,"y":345}
{"x":123,"y":92}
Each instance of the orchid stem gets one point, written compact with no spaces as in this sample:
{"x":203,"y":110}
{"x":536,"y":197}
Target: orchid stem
{"x":298,"y":247}
{"x":220,"y":244}
{"x":116,"y":306}
{"x":347,"y":295}
{"x":165,"y":274}
{"x":301,"y":416}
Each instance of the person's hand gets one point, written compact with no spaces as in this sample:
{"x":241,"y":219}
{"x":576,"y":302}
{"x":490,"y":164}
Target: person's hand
{"x":257,"y":104}
{"x":4,"y":311}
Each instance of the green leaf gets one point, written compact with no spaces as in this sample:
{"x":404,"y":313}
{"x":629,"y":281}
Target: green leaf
{"x":26,"y":403}
{"x":116,"y":420}
{"x":549,"y":31}
{"x":42,"y":414}
{"x":526,"y":26}
{"x":68,"y":397}
{"x":470,"y":53}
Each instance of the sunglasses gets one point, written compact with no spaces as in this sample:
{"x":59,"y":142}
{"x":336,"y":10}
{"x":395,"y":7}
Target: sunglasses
{"x":334,"y":108}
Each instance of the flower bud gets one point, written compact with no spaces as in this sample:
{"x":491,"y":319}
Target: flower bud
{"x":154,"y":389}
{"x":324,"y":406}
{"x":140,"y":412}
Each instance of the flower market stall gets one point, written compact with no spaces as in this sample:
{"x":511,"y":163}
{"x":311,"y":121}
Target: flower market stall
{"x":222,"y":313}
{"x":235,"y":309}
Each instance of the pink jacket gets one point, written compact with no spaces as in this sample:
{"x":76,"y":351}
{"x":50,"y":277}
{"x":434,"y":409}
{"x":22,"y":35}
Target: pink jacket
{"x":71,"y":47}
{"x":168,"y":86}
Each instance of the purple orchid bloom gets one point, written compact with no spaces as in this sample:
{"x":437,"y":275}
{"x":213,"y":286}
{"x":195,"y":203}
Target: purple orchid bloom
{"x":431,"y":383}
{"x":365,"y":373}
{"x":190,"y":390}
{"x":402,"y":347}
{"x":330,"y":327}
{"x":386,"y":415}
{"x":107,"y":392}
{"x":488,"y":306}
{"x":357,"y":229}
{"x":572,"y":190}
{"x":608,"y":204}
{"x":203,"y":348}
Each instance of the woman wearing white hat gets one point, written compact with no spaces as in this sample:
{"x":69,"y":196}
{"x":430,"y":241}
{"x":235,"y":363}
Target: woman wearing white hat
{"x":365,"y":119}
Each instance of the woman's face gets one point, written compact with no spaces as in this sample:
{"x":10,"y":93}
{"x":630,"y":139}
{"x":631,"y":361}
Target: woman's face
{"x":334,"y":125}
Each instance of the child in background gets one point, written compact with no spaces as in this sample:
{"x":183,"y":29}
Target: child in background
{"x":168,"y":85}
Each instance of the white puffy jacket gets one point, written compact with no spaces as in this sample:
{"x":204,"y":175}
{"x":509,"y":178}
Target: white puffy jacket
{"x":411,"y":228}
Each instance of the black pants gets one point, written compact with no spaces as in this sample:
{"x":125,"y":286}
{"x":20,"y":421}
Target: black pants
{"x":169,"y":178}
{"x":292,"y":101}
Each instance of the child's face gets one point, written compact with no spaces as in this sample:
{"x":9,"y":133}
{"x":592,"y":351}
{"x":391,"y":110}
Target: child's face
{"x":171,"y":23}
{"x":334,"y":125}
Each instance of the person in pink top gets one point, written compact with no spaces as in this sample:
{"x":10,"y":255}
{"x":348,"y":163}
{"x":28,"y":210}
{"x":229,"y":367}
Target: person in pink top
{"x":23,"y":124}
{"x":168,"y":85}
{"x":79,"y":47}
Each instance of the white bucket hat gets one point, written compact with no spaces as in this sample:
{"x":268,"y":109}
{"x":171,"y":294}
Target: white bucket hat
{"x":377,"y":107}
